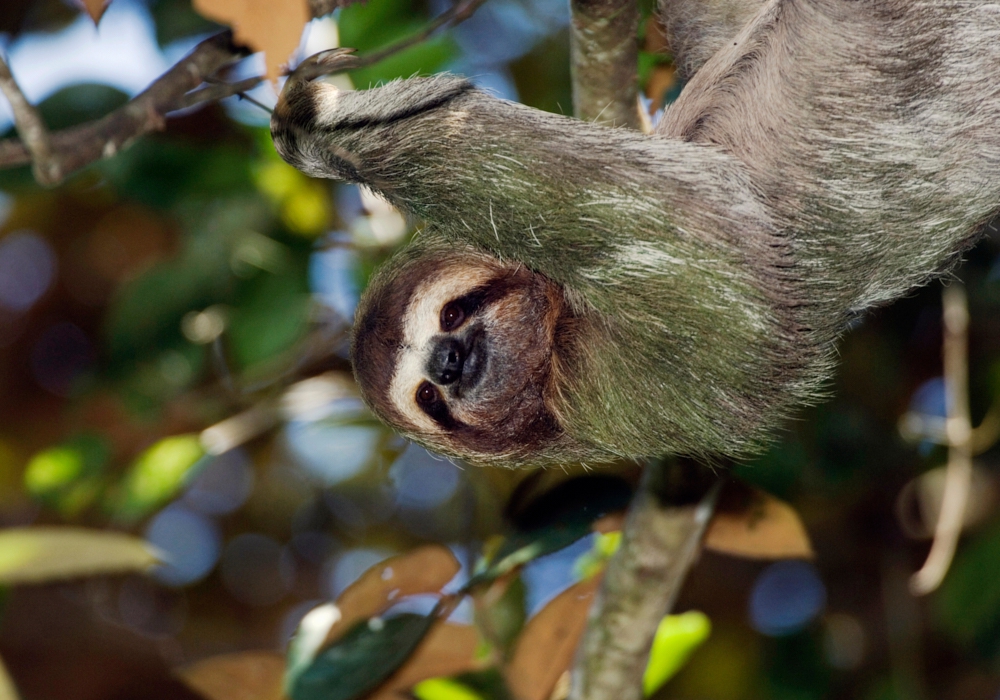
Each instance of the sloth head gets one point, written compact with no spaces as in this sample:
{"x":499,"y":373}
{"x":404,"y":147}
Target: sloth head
{"x":456,"y":350}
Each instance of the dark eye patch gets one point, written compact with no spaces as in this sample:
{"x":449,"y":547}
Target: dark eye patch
{"x":429,"y":400}
{"x":456,"y":311}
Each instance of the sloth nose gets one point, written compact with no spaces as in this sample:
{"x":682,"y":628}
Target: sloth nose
{"x":447,"y":361}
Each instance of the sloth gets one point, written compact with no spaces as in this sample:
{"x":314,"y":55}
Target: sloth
{"x":585,"y":293}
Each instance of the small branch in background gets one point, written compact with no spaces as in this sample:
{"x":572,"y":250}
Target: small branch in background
{"x":604,"y":58}
{"x":31,"y":128}
{"x":660,"y":542}
{"x":79,"y":146}
{"x":959,"y":432}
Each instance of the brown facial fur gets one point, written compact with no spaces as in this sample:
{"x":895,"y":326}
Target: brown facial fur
{"x":510,"y":410}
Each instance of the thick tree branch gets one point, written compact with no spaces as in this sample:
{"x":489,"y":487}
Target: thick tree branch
{"x":31,"y":128}
{"x":660,"y":541}
{"x":74,"y":148}
{"x":604,"y":61}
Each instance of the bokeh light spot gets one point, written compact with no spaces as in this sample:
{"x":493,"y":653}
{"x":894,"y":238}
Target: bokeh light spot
{"x":189,"y":541}
{"x":331,"y":453}
{"x":423,"y":480}
{"x":786,"y":596}
{"x":223,"y":485}
{"x":27,"y":267}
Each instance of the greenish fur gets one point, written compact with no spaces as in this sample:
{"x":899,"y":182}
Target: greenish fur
{"x":829,"y":158}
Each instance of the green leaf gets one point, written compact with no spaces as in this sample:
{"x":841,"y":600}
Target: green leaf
{"x":676,"y":639}
{"x":158,"y":474}
{"x":522,"y":547}
{"x":308,"y":640}
{"x":40,"y":554}
{"x":80,"y":103}
{"x":444,"y":689}
{"x":590,"y":563}
{"x":273,"y":316}
{"x":361,"y":659}
{"x":380,"y":23}
{"x":67,"y":477}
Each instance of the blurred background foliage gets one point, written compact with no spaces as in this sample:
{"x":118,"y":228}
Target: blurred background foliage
{"x":173,"y":363}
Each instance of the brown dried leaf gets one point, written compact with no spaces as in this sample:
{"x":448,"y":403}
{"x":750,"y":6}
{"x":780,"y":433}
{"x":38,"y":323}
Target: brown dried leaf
{"x":447,"y":650}
{"x":547,"y":645}
{"x":271,"y":26}
{"x":612,"y":522}
{"x":95,"y":8}
{"x":661,"y":80}
{"x":424,"y":570}
{"x":751,"y":523}
{"x":250,"y":675}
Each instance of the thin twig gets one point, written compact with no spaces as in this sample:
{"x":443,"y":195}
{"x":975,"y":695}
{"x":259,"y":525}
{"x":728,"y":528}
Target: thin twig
{"x":660,"y":542}
{"x":959,"y":431}
{"x":30,"y":127}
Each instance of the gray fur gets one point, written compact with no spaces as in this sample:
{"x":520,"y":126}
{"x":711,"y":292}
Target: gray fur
{"x":830,"y":157}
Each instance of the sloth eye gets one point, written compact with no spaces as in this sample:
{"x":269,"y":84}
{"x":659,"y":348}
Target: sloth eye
{"x":452,"y":316}
{"x":427,"y":394}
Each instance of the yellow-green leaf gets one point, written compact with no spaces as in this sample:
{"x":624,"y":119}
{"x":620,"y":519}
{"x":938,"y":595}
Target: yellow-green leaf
{"x":7,"y":689}
{"x":444,"y":689}
{"x":676,"y":639}
{"x":67,"y":477}
{"x":158,"y":474}
{"x":40,"y":554}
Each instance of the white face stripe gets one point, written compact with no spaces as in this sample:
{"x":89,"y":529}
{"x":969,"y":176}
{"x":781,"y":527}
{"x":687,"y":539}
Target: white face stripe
{"x":421,"y":322}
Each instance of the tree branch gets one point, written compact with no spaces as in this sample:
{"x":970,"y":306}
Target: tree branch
{"x":660,"y":542}
{"x":76,"y":147}
{"x":31,"y":128}
{"x":604,"y":61}
{"x":958,"y":429}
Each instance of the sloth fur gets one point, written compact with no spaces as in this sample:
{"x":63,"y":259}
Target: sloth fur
{"x":829,"y":156}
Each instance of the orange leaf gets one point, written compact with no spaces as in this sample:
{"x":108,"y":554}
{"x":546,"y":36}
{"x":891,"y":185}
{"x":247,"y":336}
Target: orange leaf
{"x":249,"y":675}
{"x":549,"y":641}
{"x":424,"y":570}
{"x":754,"y":524}
{"x":95,"y":8}
{"x":271,"y":26}
{"x":612,"y":522}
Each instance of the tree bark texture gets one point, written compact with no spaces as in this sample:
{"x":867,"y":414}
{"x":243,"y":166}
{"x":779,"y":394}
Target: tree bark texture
{"x":604,"y":55}
{"x":660,"y":542}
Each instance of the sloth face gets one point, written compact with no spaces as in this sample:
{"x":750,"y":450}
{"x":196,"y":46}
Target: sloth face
{"x":457,"y":354}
